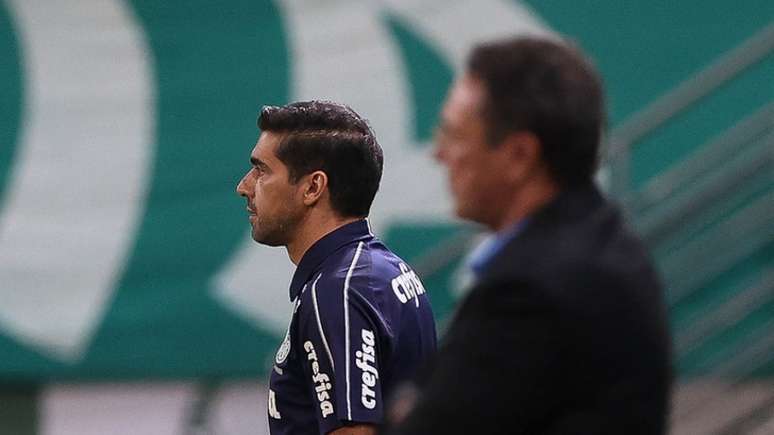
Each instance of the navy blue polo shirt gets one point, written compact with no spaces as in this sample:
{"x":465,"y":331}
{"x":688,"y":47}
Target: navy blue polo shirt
{"x":361,"y":324}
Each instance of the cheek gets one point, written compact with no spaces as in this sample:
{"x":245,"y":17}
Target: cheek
{"x":261,"y":194}
{"x":473,"y":179}
{"x":464,"y":169}
{"x":257,"y":189}
{"x":455,"y":164}
{"x":273,"y":195}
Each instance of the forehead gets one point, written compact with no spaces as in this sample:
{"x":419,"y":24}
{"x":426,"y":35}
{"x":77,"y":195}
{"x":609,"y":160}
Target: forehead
{"x":465,"y":100}
{"x":266,"y":146}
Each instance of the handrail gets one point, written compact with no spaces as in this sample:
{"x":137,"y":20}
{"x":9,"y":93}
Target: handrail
{"x":691,"y":90}
{"x":752,"y":421}
{"x":755,"y":351}
{"x":710,"y":154}
{"x":694,"y":198}
{"x":720,"y":248}
{"x":728,"y":313}
{"x":745,"y":362}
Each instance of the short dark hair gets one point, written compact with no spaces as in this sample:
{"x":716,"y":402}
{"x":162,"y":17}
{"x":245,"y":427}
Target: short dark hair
{"x":549,"y":88}
{"x":333,"y":138}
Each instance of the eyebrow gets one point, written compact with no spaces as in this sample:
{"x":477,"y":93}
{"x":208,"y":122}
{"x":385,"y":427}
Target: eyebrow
{"x":255,"y":161}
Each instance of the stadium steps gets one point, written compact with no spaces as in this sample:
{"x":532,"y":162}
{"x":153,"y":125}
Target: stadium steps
{"x":709,"y":217}
{"x":712,"y":235}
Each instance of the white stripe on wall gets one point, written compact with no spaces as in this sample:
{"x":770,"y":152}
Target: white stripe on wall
{"x":152,"y":408}
{"x":78,"y":187}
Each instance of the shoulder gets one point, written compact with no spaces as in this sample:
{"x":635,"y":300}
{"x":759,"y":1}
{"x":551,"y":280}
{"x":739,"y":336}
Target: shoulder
{"x":345,"y":280}
{"x":365,"y":266}
{"x":577,"y":257}
{"x":367,"y":277}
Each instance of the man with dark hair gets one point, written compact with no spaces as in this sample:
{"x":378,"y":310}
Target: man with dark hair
{"x":564,"y":330}
{"x":361,"y":320}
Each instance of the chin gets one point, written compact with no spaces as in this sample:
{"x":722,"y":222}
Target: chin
{"x":268,"y":238}
{"x":268,"y":241}
{"x":463,"y":213}
{"x":468,"y":213}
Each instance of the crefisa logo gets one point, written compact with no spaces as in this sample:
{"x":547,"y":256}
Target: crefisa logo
{"x":322,"y":382}
{"x":366,"y":361}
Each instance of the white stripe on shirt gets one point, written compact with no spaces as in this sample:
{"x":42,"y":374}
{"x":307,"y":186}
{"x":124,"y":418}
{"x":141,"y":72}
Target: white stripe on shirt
{"x":346,"y":322}
{"x":319,"y":323}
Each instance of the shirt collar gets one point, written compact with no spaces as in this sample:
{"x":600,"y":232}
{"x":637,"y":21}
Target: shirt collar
{"x":323,"y":248}
{"x":487,"y":250}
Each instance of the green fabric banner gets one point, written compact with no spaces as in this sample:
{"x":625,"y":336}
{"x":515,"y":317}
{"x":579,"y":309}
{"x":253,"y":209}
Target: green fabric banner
{"x":125,"y":126}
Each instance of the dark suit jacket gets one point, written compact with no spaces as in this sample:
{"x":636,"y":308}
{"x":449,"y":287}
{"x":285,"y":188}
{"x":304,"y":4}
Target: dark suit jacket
{"x":565,"y":333}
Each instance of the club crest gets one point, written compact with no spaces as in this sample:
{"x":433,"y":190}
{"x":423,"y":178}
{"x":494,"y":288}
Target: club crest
{"x":284,"y":350}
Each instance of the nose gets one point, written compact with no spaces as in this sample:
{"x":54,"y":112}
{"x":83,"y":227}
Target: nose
{"x":241,"y":188}
{"x":438,"y":151}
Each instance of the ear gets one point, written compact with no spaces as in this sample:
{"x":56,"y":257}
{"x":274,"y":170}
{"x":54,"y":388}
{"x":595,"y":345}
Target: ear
{"x":521,"y":153}
{"x":315,"y":185}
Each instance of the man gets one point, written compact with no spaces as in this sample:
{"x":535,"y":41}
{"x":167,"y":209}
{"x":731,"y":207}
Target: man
{"x":361,"y":320}
{"x":564,"y":331}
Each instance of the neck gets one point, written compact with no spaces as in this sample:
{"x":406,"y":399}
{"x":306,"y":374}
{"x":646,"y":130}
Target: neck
{"x":313,"y":228}
{"x":525,"y":201}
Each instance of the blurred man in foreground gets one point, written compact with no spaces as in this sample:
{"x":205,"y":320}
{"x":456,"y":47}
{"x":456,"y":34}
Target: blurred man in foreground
{"x":564,"y":331}
{"x":361,"y":321}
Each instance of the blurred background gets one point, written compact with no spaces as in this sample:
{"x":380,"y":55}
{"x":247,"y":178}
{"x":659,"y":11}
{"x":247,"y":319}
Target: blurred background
{"x":132,"y":300}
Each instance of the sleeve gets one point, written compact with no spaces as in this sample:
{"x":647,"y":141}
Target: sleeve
{"x":494,"y":367}
{"x":343,"y":353}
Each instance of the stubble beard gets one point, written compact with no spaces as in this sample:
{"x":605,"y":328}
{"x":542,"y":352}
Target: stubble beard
{"x":275,"y":231}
